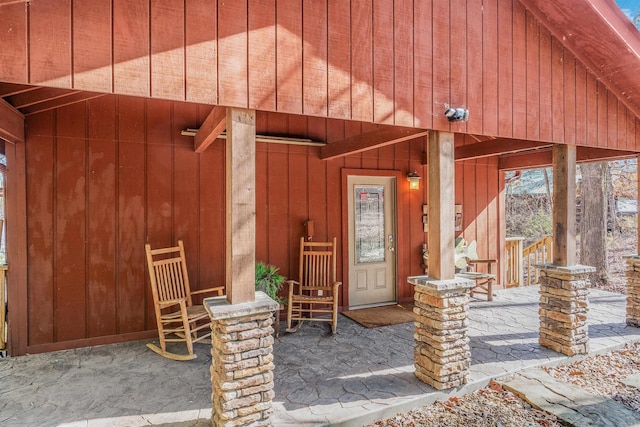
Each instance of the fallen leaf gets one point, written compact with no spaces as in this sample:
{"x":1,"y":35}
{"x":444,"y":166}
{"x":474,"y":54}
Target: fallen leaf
{"x":495,"y":386}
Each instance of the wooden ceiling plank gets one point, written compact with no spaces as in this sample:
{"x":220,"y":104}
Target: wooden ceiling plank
{"x":496,"y":147}
{"x":40,"y":95}
{"x":212,"y":127}
{"x":369,"y":141}
{"x":11,"y":123}
{"x":543,"y":158}
{"x":9,"y":89}
{"x":61,"y":102}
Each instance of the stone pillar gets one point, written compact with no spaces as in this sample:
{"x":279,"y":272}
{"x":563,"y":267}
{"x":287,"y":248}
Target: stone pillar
{"x":442,"y":353}
{"x":633,"y":290}
{"x":564,"y":304}
{"x":242,"y":361}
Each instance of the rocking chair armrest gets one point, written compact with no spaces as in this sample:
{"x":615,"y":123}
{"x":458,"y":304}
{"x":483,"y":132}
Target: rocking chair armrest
{"x":170,"y":302}
{"x":292,"y":283}
{"x":486,"y":261}
{"x":336,"y":285}
{"x":489,"y":262}
{"x":218,"y":289}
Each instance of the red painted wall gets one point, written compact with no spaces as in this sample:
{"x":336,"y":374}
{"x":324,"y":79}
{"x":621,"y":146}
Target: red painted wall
{"x":105,"y":176}
{"x":389,"y":62}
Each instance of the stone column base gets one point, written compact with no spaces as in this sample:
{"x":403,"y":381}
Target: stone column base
{"x":563,"y":309}
{"x":633,"y":290}
{"x":442,"y":353}
{"x":242,"y":361}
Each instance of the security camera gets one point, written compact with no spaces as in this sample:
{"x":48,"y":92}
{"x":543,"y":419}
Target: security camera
{"x":456,"y":114}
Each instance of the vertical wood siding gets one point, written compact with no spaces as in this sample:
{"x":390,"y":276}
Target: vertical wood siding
{"x":388,"y":62}
{"x":103,"y":178}
{"x":106,"y":176}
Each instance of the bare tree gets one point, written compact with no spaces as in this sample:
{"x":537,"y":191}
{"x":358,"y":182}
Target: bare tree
{"x":593,"y":223}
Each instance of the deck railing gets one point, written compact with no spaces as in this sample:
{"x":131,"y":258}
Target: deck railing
{"x":3,"y":307}
{"x":513,"y":255}
{"x":540,"y":252}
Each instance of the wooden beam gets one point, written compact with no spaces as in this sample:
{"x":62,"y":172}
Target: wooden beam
{"x":591,"y":154}
{"x":11,"y":123}
{"x":441,"y":239}
{"x":495,"y":147}
{"x":564,"y":205}
{"x":530,"y":160}
{"x":368,"y":141}
{"x":211,"y":128}
{"x":543,"y":157}
{"x":240,"y":205}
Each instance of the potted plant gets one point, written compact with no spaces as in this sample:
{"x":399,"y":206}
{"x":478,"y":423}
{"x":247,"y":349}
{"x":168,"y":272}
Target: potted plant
{"x":269,"y":281}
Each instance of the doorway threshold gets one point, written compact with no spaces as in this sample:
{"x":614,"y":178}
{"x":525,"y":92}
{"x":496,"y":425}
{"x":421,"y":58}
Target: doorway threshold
{"x":377,"y":304}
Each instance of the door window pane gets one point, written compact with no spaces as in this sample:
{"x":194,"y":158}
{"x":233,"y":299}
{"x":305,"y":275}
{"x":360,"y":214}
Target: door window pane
{"x":369,"y":224}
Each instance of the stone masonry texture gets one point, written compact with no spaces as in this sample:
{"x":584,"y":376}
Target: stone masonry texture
{"x":563,"y":309}
{"x":241,"y":370}
{"x":442,"y":353}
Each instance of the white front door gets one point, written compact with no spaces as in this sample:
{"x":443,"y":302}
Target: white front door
{"x":372,"y":240}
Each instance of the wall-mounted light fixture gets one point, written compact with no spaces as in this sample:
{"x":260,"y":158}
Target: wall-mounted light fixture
{"x":414,"y":180}
{"x":456,"y":114}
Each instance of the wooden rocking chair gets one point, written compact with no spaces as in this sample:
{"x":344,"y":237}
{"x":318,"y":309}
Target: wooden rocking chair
{"x":176,"y":315}
{"x":316,"y":292}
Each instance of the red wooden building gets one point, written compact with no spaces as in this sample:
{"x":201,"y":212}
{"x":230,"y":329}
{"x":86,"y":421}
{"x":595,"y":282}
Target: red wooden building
{"x":97,"y":94}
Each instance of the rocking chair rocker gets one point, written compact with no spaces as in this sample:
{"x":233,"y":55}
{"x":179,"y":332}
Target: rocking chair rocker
{"x":176,"y":315}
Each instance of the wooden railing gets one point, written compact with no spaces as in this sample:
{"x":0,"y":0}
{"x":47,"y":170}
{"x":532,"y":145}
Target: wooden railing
{"x":513,"y":255}
{"x":3,"y":307}
{"x":540,"y":252}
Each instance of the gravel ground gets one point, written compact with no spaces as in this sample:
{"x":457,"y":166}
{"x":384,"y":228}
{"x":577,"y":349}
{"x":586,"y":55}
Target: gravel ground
{"x":493,"y":406}
{"x":490,"y":406}
{"x":601,"y":374}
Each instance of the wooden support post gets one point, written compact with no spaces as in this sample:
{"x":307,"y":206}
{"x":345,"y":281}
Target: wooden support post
{"x":16,"y":240}
{"x":564,"y":205}
{"x":440,"y":151}
{"x":240,"y":205}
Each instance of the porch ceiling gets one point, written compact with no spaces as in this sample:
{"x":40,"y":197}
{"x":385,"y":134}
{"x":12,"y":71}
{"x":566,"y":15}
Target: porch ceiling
{"x":29,"y":99}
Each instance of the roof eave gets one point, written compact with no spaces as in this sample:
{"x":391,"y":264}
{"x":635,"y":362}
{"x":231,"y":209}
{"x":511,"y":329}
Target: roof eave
{"x":599,"y":35}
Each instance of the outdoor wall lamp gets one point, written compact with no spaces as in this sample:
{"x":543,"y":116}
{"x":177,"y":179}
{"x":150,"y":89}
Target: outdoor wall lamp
{"x":456,"y":114}
{"x":414,"y":180}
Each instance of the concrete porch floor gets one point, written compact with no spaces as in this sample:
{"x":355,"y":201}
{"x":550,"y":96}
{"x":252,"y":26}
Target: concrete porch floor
{"x":351,"y":378}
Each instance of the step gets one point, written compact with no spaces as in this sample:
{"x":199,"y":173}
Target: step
{"x":568,"y":402}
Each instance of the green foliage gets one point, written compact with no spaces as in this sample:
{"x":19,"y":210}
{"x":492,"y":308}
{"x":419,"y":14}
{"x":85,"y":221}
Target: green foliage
{"x":269,"y":281}
{"x":537,"y":225}
{"x":528,"y":217}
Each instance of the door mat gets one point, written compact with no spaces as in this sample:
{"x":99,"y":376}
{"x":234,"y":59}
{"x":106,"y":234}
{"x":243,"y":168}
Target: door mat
{"x":375,"y":317}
